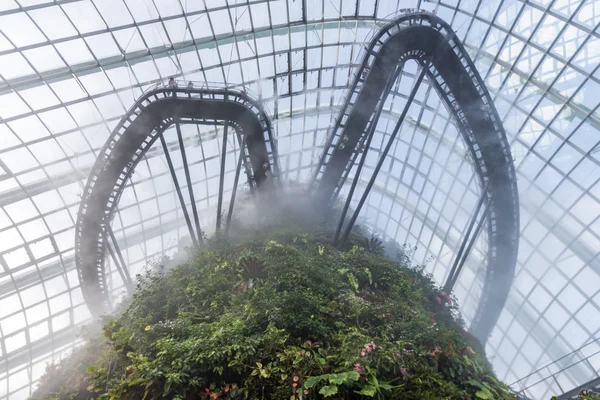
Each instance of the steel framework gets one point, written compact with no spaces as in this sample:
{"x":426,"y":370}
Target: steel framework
{"x":137,"y":131}
{"x":419,"y":36}
{"x":431,"y":42}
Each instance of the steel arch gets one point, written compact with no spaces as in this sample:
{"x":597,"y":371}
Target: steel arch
{"x":136,"y":132}
{"x":422,"y":36}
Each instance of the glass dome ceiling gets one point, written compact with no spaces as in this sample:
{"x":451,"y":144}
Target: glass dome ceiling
{"x":70,"y":69}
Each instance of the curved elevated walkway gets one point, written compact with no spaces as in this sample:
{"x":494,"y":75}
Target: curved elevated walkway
{"x":137,"y":131}
{"x":430,"y":41}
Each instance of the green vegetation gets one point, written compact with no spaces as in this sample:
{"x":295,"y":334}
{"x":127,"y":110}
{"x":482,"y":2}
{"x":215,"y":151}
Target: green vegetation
{"x":281,"y":317}
{"x":585,"y":394}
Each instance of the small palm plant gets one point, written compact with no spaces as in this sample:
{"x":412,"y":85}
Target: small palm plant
{"x":252,"y":272}
{"x":373,"y":245}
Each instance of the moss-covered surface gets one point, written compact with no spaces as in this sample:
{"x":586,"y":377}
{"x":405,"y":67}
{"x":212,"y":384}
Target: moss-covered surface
{"x":281,"y":317}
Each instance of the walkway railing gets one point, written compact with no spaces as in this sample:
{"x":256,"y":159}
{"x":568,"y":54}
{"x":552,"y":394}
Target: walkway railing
{"x":551,"y":377}
{"x":136,"y":132}
{"x":475,"y":116}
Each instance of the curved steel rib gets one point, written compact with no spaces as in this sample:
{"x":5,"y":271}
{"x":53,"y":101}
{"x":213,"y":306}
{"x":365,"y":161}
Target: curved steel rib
{"x":137,"y":131}
{"x":422,"y":36}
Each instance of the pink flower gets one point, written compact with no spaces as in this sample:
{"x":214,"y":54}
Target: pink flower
{"x":296,"y":378}
{"x":469,"y":350}
{"x":358,"y":368}
{"x":294,"y":384}
{"x":306,"y":391}
{"x":362,"y":353}
{"x":403,"y":371}
{"x":398,"y":355}
{"x":370,"y":347}
{"x":438,"y":300}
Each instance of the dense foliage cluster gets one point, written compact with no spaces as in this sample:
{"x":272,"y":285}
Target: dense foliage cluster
{"x":283,"y":317}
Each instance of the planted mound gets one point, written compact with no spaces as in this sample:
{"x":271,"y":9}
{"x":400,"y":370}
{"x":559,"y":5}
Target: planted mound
{"x":286,"y":318}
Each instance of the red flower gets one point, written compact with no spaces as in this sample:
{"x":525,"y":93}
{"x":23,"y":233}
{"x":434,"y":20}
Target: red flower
{"x":294,"y":384}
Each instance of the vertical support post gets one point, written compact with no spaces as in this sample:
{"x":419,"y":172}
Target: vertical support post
{"x":117,"y":257}
{"x":119,"y":268}
{"x":118,"y":250}
{"x":454,"y":278}
{"x":363,"y":157}
{"x":222,"y":175}
{"x":362,"y":200}
{"x":482,"y":198}
{"x":235,"y":184}
{"x":177,"y":188}
{"x":189,"y":181}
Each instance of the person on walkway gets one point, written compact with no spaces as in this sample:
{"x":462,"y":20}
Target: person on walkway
{"x":172,"y":85}
{"x":190,"y":85}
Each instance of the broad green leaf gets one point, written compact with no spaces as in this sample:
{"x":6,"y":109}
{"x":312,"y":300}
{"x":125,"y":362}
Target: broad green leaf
{"x":368,"y":272}
{"x":484,"y":394}
{"x":310,"y":382}
{"x":475,"y":383}
{"x":368,"y":390}
{"x":328,"y":390}
{"x":353,"y":281}
{"x":353,"y":375}
{"x":337,"y":379}
{"x":373,"y":381}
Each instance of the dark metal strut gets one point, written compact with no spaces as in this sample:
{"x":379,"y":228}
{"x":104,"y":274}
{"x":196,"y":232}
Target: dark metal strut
{"x":222,"y":176}
{"x":188,"y":181}
{"x":177,"y":188}
{"x":460,"y":257}
{"x":388,"y":146}
{"x":235,"y":184}
{"x":363,"y":157}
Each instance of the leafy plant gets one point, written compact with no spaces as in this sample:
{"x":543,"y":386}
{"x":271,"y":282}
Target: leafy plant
{"x":252,"y":272}
{"x":282,"y":315}
{"x":373,"y":245}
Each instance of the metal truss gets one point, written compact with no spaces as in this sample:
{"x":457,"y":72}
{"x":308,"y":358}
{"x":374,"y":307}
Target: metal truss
{"x":429,"y":40}
{"x":138,"y":130}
